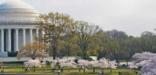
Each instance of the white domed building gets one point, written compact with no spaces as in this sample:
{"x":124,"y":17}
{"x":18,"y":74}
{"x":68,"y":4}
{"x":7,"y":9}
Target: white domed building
{"x":17,"y":26}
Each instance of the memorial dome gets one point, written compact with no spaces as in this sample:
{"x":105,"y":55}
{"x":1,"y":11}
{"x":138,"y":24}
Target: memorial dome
{"x":17,"y":11}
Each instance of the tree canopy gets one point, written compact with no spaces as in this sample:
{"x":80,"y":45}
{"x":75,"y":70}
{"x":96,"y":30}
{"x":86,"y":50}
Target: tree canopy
{"x":68,"y":37}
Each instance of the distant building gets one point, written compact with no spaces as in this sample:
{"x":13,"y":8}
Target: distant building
{"x":17,"y":26}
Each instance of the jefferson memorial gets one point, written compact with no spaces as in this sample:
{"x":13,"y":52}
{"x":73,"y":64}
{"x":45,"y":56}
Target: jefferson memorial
{"x":17,"y":26}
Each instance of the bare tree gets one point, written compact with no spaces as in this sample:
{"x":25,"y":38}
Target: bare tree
{"x":85,"y":33}
{"x":55,"y":26}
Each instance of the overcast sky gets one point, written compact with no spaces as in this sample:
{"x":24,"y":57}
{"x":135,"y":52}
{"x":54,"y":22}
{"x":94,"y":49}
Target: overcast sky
{"x":131,"y":16}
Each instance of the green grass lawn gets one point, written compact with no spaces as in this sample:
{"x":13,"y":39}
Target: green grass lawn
{"x":14,"y":69}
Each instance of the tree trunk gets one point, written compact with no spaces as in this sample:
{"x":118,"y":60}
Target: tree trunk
{"x":93,"y":69}
{"x":85,"y":54}
{"x":54,"y":53}
{"x":54,"y":47}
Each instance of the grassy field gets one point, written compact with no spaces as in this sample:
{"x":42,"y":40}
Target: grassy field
{"x":67,"y":71}
{"x":19,"y":70}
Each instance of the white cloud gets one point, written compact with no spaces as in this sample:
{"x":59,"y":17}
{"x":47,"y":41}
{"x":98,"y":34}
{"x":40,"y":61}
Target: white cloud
{"x":131,"y":16}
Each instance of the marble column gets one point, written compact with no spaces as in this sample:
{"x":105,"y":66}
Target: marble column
{"x":17,"y":38}
{"x":2,"y":40}
{"x":9,"y":40}
{"x":37,"y":33}
{"x":31,"y":35}
{"x":24,"y":37}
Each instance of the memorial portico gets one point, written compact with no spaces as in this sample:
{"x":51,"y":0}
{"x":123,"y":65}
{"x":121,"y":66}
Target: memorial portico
{"x":17,"y":25}
{"x":10,"y":37}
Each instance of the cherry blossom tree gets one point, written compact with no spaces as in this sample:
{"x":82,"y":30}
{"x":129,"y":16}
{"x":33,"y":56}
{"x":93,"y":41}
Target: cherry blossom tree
{"x":147,"y":62}
{"x":33,"y":50}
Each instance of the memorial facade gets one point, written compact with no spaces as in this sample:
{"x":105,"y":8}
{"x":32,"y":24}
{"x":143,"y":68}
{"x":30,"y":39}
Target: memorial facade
{"x":17,"y":25}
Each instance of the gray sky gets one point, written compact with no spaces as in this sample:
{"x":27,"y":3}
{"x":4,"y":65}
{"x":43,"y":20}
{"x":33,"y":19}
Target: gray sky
{"x":131,"y":16}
